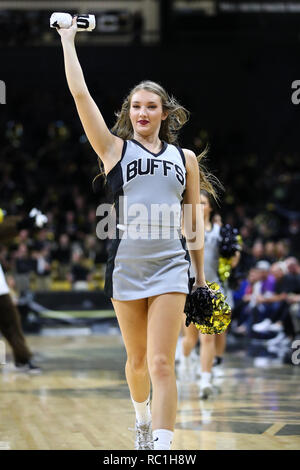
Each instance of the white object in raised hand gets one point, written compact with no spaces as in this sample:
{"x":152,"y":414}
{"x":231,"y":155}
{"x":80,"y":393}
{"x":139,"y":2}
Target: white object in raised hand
{"x":60,"y":20}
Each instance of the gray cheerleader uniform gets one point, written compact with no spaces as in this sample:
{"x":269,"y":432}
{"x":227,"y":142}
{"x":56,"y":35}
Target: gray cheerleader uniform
{"x":211,"y":260}
{"x":147,"y":255}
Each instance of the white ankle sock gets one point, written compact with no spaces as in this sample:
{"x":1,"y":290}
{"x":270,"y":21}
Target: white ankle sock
{"x":186,"y":361}
{"x":142,"y":411}
{"x":162,"y":439}
{"x":205,"y":377}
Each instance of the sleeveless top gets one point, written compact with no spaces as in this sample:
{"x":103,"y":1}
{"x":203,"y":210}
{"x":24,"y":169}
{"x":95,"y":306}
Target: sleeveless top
{"x":148,"y":188}
{"x":211,"y":254}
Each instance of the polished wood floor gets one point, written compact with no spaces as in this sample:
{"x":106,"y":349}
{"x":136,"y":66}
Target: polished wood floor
{"x":81,"y":401}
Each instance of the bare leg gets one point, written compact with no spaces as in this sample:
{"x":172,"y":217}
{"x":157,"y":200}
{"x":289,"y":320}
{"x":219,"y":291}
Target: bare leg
{"x":189,"y":339}
{"x":164,"y":322}
{"x":220,"y":344}
{"x":132,"y":318}
{"x":207,"y":352}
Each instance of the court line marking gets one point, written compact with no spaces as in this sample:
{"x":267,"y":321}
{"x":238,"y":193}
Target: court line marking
{"x":272,"y":430}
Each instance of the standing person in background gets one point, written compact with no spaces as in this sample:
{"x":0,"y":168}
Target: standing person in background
{"x":10,"y":322}
{"x":212,"y":346}
{"x":146,"y":277}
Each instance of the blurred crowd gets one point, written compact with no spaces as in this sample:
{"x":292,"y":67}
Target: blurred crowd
{"x":267,"y":299}
{"x":53,"y":172}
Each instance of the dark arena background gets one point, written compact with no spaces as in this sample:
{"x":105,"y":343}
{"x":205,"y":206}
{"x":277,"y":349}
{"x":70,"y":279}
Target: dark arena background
{"x":235,"y":66}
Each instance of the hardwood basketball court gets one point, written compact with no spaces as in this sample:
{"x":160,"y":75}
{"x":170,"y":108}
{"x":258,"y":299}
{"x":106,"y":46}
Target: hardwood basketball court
{"x":81,"y":401}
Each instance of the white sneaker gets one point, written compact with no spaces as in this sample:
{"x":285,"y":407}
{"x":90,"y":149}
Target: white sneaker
{"x":143,"y":437}
{"x":280,"y":349}
{"x":194,"y":357}
{"x":206,"y":390}
{"x":276,"y":327}
{"x":217,"y":372}
{"x":262,"y":326}
{"x":198,"y":371}
{"x":178,"y":352}
{"x":185,"y":368}
{"x":277,"y":339}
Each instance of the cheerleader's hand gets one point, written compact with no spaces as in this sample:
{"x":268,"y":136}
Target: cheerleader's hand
{"x":68,"y":33}
{"x":199,"y":283}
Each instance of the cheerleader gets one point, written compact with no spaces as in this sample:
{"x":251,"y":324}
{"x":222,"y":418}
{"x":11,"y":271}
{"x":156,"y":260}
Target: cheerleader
{"x":212,"y":346}
{"x":146,"y":276}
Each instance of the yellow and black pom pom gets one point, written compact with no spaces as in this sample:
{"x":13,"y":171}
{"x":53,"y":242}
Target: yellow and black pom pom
{"x":2,"y":213}
{"x":207,"y":308}
{"x":230,"y":243}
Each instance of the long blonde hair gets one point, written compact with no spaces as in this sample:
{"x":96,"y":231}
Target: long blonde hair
{"x":177,"y":116}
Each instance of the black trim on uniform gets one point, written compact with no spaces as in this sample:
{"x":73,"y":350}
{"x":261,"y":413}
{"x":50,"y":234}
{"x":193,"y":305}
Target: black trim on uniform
{"x":116,"y":182}
{"x":184,"y":164}
{"x":98,"y":184}
{"x":149,"y":151}
{"x":181,"y":154}
{"x":115,"y":175}
{"x":187,"y":256}
{"x":123,"y":150}
{"x":122,"y":155}
{"x":115,"y":179}
{"x":113,"y":248}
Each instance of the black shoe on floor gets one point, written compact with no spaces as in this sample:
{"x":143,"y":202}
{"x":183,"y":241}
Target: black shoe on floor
{"x":28,"y":367}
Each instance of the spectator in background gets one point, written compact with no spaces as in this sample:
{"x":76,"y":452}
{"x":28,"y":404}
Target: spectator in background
{"x":245,"y":301}
{"x":278,"y":318}
{"x":249,"y":260}
{"x":294,"y":234}
{"x":267,"y":279}
{"x":293,"y":267}
{"x":24,"y":266}
{"x":95,"y":249}
{"x":62,"y":254}
{"x":270,"y":251}
{"x":80,"y":275}
{"x":70,"y":225}
{"x":293,"y":299}
{"x":10,"y":321}
{"x":43,"y":268}
{"x":23,"y":236}
{"x":259,"y":285}
{"x":41,"y":240}
{"x":282,"y":250}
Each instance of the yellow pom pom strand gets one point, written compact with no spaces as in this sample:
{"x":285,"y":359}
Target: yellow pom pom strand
{"x":239,"y":240}
{"x":224,"y":268}
{"x":221,"y":315}
{"x":1,"y":215}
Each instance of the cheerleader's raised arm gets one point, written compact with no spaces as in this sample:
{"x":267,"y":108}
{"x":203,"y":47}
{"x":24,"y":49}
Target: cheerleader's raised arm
{"x":107,"y":146}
